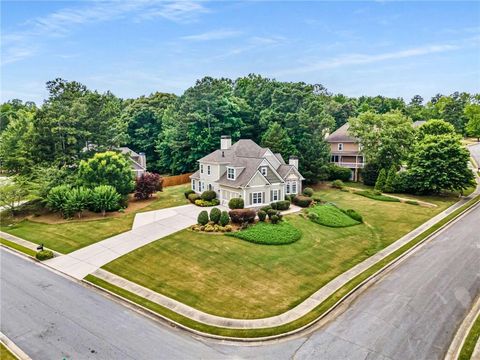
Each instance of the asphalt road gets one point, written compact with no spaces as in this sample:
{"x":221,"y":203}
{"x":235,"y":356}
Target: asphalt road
{"x":411,"y":313}
{"x":475,"y":151}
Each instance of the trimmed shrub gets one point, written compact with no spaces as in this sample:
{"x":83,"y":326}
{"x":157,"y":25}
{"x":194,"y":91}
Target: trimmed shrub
{"x":57,"y":198}
{"x":274,"y":205}
{"x":317,"y":199}
{"x":202,"y":218}
{"x":188,"y":192}
{"x":215,"y":214}
{"x":290,"y":197}
{"x":382,"y":178}
{"x":44,"y":255}
{"x":337,"y":184}
{"x":271,"y":213}
{"x":391,"y":179}
{"x":402,"y":183}
{"x":376,"y":195}
{"x":330,"y":215}
{"x":266,"y":208}
{"x":262,"y":215}
{"x":78,"y":200}
{"x":308,"y":192}
{"x":204,"y":203}
{"x":224,"y":218}
{"x":275,"y":219}
{"x":241,"y":216}
{"x":302,"y":201}
{"x":208,"y":195}
{"x":282,"y":205}
{"x":193,"y":197}
{"x":313,"y":216}
{"x":336,"y":172}
{"x":147,"y":184}
{"x":354,"y":215}
{"x":236,"y":203}
{"x":105,"y":198}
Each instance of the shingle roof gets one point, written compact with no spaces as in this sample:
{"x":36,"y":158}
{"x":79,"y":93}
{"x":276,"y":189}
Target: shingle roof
{"x":342,"y":135}
{"x":250,"y":166}
{"x":242,"y":148}
{"x":280,"y":158}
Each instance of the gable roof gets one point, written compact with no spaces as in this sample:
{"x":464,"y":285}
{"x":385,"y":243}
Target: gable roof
{"x":342,"y":135}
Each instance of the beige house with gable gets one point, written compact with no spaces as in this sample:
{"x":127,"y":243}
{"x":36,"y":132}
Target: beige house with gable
{"x":246,"y":170}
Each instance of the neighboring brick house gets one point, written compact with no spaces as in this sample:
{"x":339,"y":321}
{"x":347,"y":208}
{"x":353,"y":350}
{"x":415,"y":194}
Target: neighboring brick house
{"x":246,"y":170}
{"x":346,"y":151}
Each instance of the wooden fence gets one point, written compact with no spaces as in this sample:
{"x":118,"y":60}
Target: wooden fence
{"x":176,"y":180}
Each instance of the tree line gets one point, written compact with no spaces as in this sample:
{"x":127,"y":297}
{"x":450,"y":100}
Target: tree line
{"x":175,"y":131}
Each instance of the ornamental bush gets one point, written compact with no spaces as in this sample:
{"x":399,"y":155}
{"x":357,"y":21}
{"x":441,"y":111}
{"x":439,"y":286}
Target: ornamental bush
{"x":275,"y":219}
{"x":302,"y":201}
{"x":236,"y":203}
{"x":262,"y":215}
{"x":224,"y":218}
{"x":44,"y":255}
{"x":202,"y":218}
{"x":78,"y":200}
{"x":57,"y":198}
{"x":382,"y":178}
{"x":370,"y":173}
{"x":208,"y":195}
{"x":147,"y":184}
{"x":282,"y":205}
{"x":241,"y":216}
{"x":389,"y":186}
{"x":266,"y":208}
{"x":308,"y":192}
{"x":188,"y":192}
{"x":193,"y":197}
{"x":105,"y":198}
{"x":204,"y":203}
{"x":290,"y":197}
{"x":354,"y":215}
{"x":215,"y":214}
{"x":337,"y":184}
{"x":336,"y":172}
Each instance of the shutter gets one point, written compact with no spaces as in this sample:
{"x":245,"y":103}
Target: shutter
{"x":263,"y":197}
{"x":250,"y":198}
{"x":271,"y":195}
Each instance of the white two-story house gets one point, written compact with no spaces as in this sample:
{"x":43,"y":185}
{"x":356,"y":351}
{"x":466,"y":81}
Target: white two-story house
{"x":246,"y":170}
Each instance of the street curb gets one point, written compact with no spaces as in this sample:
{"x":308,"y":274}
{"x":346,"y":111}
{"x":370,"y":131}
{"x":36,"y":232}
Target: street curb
{"x":14,"y":349}
{"x":259,"y":340}
{"x":463,"y":332}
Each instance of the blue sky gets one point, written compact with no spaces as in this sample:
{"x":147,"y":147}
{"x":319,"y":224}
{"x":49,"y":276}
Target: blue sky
{"x":137,"y":47}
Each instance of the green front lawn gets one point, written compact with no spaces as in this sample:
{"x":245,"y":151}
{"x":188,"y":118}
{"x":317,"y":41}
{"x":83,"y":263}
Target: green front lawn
{"x":5,"y":354}
{"x":230,"y":277}
{"x":469,"y":345}
{"x":74,"y":234}
{"x":269,"y":234}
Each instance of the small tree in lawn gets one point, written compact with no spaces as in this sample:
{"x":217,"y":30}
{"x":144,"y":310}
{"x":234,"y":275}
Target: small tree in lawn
{"x":224,"y":218}
{"x":381,"y":179}
{"x":147,"y":185}
{"x":11,"y":195}
{"x":107,"y":168}
{"x":389,"y":186}
{"x":105,"y":198}
{"x":77,"y":200}
{"x":57,"y":199}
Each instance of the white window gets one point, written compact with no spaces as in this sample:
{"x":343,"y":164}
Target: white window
{"x":208,"y":169}
{"x":291,"y":187}
{"x":257,"y":198}
{"x":193,"y":185}
{"x":230,"y":173}
{"x":288,"y":188}
{"x":275,"y":195}
{"x":201,"y":168}
{"x":263,"y":170}
{"x":340,"y":147}
{"x":335,"y":158}
{"x":294,"y":187}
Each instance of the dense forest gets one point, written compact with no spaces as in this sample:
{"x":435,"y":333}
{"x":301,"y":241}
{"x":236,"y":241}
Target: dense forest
{"x":174,"y":131}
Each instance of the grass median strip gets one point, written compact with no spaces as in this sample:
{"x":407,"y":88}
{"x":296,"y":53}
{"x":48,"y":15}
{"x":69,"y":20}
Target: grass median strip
{"x":470,"y":341}
{"x":300,"y":322}
{"x":17,"y":247}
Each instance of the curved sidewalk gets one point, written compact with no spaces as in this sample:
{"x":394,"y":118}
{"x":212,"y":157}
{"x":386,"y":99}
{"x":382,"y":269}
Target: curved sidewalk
{"x":293,"y":314}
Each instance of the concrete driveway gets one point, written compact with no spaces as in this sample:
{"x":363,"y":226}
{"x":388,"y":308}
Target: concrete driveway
{"x":147,"y":227}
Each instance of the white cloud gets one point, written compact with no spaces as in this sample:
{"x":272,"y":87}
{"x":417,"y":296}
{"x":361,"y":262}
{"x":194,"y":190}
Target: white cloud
{"x":213,"y":35}
{"x":24,"y":43}
{"x":360,"y":59}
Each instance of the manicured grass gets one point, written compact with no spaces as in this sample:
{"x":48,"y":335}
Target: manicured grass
{"x":412,"y":202}
{"x":5,"y":354}
{"x":73,"y":235}
{"x":329,"y":215}
{"x":230,"y":277}
{"x":379,"y":197}
{"x":269,"y":234}
{"x":17,"y":247}
{"x":304,"y":320}
{"x":470,"y":342}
